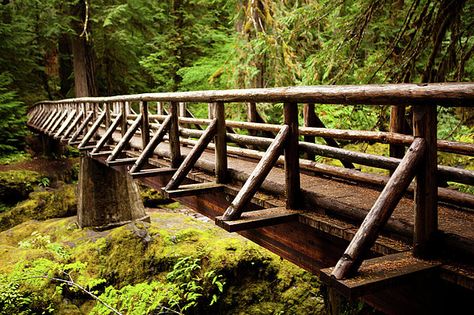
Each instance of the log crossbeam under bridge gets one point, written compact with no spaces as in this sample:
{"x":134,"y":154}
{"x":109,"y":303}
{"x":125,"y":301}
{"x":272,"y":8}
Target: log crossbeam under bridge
{"x":396,"y":241}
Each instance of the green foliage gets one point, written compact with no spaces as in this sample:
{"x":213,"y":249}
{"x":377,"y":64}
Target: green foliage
{"x":182,"y":291}
{"x":12,"y":118}
{"x":16,"y":157}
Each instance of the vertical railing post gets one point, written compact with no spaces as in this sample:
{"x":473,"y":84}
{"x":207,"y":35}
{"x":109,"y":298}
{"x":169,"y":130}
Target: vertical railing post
{"x":210,"y":111}
{"x":309,"y":117}
{"x":292,"y":166}
{"x":175,"y":148}
{"x":145,"y":124}
{"x":123,"y":125}
{"x":108,"y":114}
{"x":220,"y":143}
{"x":426,"y":192}
{"x":159,"y":108}
{"x":182,"y":109}
{"x":397,"y":123}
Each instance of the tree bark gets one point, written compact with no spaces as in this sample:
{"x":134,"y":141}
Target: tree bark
{"x":106,"y":197}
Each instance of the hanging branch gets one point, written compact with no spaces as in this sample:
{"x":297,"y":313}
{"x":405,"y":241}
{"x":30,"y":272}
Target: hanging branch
{"x":86,"y":22}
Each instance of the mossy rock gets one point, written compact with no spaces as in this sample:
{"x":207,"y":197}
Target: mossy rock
{"x":152,"y":198}
{"x":16,"y":185}
{"x":41,"y":205}
{"x":256,"y":281}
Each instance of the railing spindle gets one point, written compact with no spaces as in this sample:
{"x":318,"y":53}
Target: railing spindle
{"x":220,"y":143}
{"x":292,"y":166}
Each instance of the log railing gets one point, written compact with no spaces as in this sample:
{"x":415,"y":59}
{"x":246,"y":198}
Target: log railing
{"x":92,"y":122}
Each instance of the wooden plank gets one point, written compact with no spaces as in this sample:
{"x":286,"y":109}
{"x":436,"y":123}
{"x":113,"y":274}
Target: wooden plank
{"x":259,"y":218}
{"x":380,"y":211}
{"x":379,"y":273}
{"x":153,"y":172}
{"x":122,"y":161}
{"x":292,"y":157}
{"x":100,"y":153}
{"x":426,"y":190}
{"x":192,"y":190}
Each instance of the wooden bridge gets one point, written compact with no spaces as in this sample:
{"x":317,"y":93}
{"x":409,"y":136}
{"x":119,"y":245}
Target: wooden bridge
{"x":399,"y":242}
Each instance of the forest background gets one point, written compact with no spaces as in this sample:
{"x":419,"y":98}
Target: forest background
{"x":136,"y":46}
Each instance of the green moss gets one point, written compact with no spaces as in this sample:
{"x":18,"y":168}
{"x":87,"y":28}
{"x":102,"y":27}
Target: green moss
{"x":140,"y":253}
{"x":42,"y":205}
{"x":16,"y":185}
{"x":152,"y":198}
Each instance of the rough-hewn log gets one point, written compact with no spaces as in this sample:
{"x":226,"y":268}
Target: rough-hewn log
{"x":292,"y":165}
{"x":145,"y":127}
{"x":397,"y":124}
{"x":74,"y":124}
{"x":380,"y":212}
{"x":108,"y":134}
{"x":446,"y":94}
{"x":220,"y":143}
{"x":91,"y":132}
{"x":193,"y":156}
{"x":426,"y":197}
{"x":175,"y":147}
{"x":148,"y":150}
{"x":81,"y":128}
{"x":309,"y":120}
{"x":125,"y":139}
{"x":258,"y":175}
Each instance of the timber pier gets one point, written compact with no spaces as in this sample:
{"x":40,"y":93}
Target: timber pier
{"x":402,"y":242}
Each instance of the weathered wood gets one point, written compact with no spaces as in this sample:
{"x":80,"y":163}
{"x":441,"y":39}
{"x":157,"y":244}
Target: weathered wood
{"x":258,"y":218}
{"x":91,"y":132}
{"x":397,"y":124}
{"x":220,"y":143}
{"x":73,"y":125}
{"x":258,"y":175}
{"x":447,"y":94}
{"x":192,"y":157}
{"x":292,"y":165}
{"x":121,"y":161}
{"x":81,"y":128}
{"x":426,"y":197}
{"x":253,"y":126}
{"x":309,"y":120}
{"x":125,"y":139}
{"x":145,"y":127}
{"x":193,"y":190}
{"x":159,"y":108}
{"x":162,"y":171}
{"x":124,"y":124}
{"x":379,"y":273}
{"x":380,"y":212}
{"x":108,"y":134}
{"x":155,"y":141}
{"x":58,"y":122}
{"x":175,"y":147}
{"x":65,"y":124}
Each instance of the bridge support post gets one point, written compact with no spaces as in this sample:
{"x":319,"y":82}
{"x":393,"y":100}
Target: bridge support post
{"x":426,"y":192}
{"x":106,"y":198}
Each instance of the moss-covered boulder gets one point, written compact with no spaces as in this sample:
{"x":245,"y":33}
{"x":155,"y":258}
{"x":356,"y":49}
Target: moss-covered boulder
{"x":41,"y":205}
{"x":16,"y":185}
{"x":176,"y":262}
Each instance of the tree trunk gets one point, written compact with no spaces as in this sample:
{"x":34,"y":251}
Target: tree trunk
{"x":106,"y":197}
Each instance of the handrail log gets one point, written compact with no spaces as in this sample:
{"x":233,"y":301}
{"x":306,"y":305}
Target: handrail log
{"x":446,"y":94}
